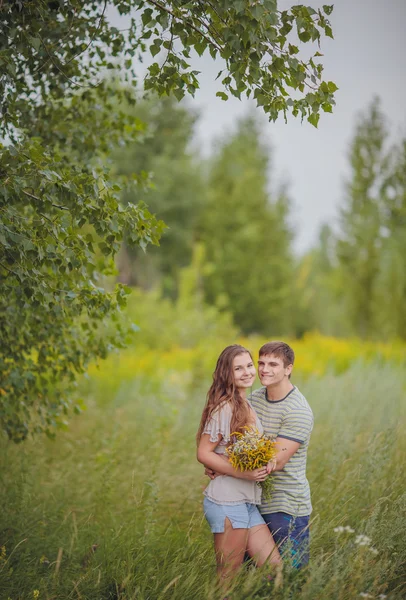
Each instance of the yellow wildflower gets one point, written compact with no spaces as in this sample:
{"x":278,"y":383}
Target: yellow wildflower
{"x":252,"y":450}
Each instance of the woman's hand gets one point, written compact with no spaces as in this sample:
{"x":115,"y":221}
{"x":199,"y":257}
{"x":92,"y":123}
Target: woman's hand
{"x":271,"y":466}
{"x":256,"y":475}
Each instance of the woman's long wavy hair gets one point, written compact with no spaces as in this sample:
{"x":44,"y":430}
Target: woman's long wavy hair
{"x":223,"y":390}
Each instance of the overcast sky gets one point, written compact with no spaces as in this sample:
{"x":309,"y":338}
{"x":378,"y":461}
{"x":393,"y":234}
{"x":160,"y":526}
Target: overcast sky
{"x":365,"y":59}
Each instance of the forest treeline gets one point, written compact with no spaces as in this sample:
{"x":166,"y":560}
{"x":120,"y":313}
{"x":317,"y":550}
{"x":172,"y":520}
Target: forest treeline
{"x":352,"y":282}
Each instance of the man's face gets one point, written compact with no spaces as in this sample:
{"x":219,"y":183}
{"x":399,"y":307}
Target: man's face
{"x":271,"y":370}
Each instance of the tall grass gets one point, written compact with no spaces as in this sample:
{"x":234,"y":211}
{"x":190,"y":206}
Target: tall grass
{"x":113,"y":508}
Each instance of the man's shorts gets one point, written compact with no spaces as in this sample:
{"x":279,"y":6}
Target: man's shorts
{"x":291,"y":534}
{"x":241,"y":516}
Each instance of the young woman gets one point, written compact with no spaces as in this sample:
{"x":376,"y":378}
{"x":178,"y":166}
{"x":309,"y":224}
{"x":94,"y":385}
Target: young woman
{"x":230,"y":503}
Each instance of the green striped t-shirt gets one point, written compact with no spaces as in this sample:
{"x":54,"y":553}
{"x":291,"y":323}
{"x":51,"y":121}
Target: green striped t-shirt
{"x":290,"y":418}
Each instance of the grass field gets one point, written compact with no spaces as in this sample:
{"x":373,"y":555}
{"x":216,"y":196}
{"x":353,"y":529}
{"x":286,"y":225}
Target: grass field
{"x":112,"y":508}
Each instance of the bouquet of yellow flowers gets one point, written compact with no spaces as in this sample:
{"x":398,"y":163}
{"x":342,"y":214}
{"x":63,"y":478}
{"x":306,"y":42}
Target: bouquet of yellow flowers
{"x":252,"y":450}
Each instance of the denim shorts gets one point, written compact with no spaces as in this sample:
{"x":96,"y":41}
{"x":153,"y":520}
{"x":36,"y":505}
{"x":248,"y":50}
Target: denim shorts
{"x":241,"y":516}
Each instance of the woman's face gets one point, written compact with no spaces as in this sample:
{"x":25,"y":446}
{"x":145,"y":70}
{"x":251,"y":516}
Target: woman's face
{"x":243,"y":370}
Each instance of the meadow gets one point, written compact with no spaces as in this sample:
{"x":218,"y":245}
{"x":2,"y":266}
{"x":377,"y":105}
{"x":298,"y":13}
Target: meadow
{"x":112,"y":509}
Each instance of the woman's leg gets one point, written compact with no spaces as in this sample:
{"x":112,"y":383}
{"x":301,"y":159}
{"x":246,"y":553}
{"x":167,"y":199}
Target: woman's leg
{"x":230,"y":548}
{"x":262,"y":548}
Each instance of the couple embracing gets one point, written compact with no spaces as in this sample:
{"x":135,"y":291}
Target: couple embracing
{"x":241,"y":522}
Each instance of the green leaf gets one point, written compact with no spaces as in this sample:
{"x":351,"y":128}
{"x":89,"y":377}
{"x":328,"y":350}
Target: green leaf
{"x":226,"y":53}
{"x":329,"y":31}
{"x":154,"y":69}
{"x":155,"y":48}
{"x":179,"y":93}
{"x":222,"y":95}
{"x":200,"y":47}
{"x":304,"y":36}
{"x":35,"y":42}
{"x":257,"y":11}
{"x":238,"y":5}
{"x":147,"y":16}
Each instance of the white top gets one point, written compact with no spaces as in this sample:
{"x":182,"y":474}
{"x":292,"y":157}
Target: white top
{"x":225,"y":489}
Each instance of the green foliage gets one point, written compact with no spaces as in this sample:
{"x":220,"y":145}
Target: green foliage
{"x":390,"y":284}
{"x":253,"y":40}
{"x":247,"y":237}
{"x":61,"y":219}
{"x":372,"y":242}
{"x":53,"y":244}
{"x":359,"y":245}
{"x":177,"y":193}
{"x":354,"y":281}
{"x":186,"y":321}
{"x":61,"y":225}
{"x":318,"y":293}
{"x":52,"y":48}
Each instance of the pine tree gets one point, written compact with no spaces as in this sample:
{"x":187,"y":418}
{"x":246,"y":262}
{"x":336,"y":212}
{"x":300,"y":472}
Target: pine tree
{"x":177,"y":193}
{"x":318,"y":295}
{"x":247,"y":236}
{"x":390,"y":287}
{"x":359,"y":243}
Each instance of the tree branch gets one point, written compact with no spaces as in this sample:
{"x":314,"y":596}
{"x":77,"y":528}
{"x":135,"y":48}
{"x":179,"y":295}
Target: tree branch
{"x":168,"y":10}
{"x":51,"y":58}
{"x":92,"y":39}
{"x":40,"y":200}
{"x":170,"y":47}
{"x":9,"y":270}
{"x":214,"y":10}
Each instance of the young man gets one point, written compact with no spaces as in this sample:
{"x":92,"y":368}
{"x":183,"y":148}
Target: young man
{"x":285,"y":413}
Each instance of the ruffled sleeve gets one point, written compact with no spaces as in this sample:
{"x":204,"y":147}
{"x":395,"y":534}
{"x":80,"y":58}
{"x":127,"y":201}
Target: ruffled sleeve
{"x":219,"y":422}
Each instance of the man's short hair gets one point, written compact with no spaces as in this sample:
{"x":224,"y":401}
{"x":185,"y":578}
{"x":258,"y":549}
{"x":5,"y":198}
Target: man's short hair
{"x":280,"y":350}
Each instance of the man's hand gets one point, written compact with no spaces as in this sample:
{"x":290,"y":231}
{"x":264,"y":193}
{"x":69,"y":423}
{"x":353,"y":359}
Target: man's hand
{"x":210,"y":473}
{"x":271,"y":466}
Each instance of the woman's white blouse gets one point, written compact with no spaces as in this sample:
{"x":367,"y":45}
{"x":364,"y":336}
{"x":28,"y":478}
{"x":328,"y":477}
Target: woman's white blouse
{"x":225,"y":489}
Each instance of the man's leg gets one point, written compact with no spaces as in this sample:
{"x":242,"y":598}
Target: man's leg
{"x":291,"y":534}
